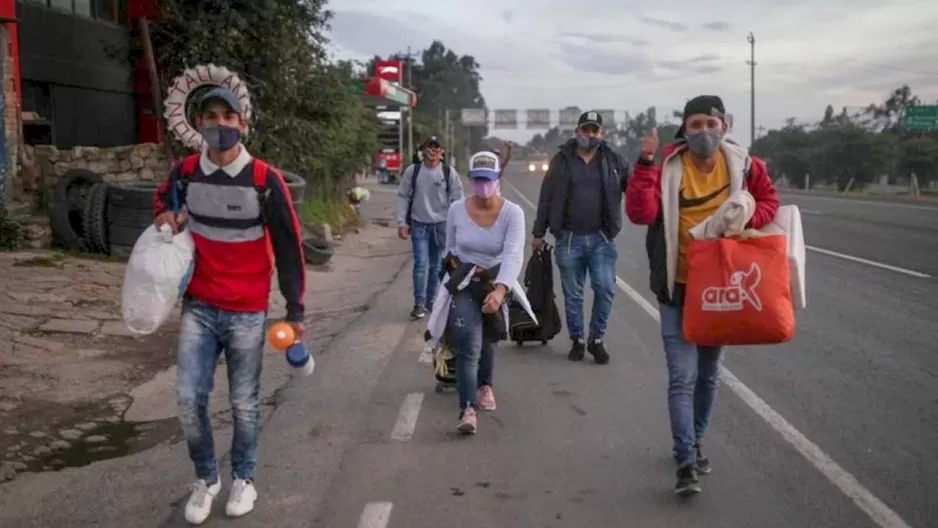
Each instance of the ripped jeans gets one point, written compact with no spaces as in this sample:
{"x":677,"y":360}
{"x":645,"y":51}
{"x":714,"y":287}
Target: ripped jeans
{"x":475,"y":356}
{"x":205,"y":332}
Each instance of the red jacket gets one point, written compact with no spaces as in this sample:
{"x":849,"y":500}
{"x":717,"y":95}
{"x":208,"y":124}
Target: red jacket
{"x":644,"y":206}
{"x":643,"y":194}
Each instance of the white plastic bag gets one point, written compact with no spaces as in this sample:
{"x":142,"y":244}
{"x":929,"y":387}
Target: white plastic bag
{"x":788,"y":223}
{"x":157,"y":276}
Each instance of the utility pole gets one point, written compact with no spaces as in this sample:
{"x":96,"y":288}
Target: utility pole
{"x":752,"y":87}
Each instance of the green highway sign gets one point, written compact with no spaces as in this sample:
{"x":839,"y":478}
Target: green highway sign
{"x":921,"y":118}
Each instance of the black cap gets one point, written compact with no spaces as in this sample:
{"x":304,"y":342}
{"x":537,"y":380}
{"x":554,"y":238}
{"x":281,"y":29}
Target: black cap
{"x":591,"y":117}
{"x":431,"y":141}
{"x":225,"y":96}
{"x":702,"y":104}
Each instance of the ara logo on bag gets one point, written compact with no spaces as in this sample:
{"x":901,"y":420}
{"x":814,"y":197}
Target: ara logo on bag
{"x":732,"y":298}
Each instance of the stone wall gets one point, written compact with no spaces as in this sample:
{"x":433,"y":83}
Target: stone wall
{"x":43,"y":165}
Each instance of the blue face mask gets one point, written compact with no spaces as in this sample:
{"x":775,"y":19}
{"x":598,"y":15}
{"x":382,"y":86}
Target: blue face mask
{"x":219,"y":137}
{"x":588,"y":143}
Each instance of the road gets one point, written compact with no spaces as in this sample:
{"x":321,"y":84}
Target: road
{"x":835,"y":429}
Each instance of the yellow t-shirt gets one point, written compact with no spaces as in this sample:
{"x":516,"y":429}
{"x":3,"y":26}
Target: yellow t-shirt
{"x":701,"y":195}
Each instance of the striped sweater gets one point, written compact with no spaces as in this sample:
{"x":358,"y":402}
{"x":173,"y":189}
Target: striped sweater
{"x":236,"y":232}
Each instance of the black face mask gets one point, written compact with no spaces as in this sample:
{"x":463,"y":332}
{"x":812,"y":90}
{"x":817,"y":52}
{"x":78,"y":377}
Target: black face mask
{"x":219,"y":137}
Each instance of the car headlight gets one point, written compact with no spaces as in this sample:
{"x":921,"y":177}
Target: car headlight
{"x":531,"y":167}
{"x":544,"y":167}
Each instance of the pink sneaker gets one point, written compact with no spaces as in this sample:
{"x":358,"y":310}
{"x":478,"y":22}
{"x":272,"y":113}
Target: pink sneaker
{"x":486,"y":398}
{"x":467,"y":424}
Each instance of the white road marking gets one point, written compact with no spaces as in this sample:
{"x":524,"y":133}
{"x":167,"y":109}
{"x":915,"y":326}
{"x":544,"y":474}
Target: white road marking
{"x":376,"y":515}
{"x":871,"y":505}
{"x":426,"y":356}
{"x":880,"y":265}
{"x":407,"y":417}
{"x":426,"y":352}
{"x":810,"y":212}
{"x":847,"y":199}
{"x":911,"y":273}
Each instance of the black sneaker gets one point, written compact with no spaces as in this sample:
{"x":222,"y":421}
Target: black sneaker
{"x":419,"y":312}
{"x":598,"y":351}
{"x":687,"y":482}
{"x":577,"y":351}
{"x":703,"y":463}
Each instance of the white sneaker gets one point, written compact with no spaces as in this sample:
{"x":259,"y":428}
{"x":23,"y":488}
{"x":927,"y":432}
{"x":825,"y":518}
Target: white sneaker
{"x":242,"y":497}
{"x":200,"y":502}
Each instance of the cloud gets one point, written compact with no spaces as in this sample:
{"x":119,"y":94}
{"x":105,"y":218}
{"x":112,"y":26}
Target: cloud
{"x":601,"y":38}
{"x":701,"y":64}
{"x":587,"y":59}
{"x":540,"y":53}
{"x":385,"y":34}
{"x":718,"y":25}
{"x":666,"y":24}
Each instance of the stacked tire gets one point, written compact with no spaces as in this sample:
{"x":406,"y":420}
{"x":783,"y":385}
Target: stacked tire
{"x":67,"y":205}
{"x":128,"y":214}
{"x":297,"y":186}
{"x":90,"y":216}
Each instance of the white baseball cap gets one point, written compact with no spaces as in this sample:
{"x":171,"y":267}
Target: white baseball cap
{"x":485,"y":165}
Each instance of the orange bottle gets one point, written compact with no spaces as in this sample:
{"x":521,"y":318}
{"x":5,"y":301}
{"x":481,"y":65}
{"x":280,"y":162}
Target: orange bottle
{"x":281,"y":336}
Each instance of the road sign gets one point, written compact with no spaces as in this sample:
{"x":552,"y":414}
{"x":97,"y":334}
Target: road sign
{"x":921,"y":118}
{"x":474,"y":117}
{"x":569,"y":117}
{"x":539,"y":118}
{"x":609,"y":118}
{"x":506,"y":119}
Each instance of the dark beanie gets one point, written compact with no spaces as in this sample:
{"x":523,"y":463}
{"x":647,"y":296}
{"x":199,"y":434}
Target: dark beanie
{"x":702,"y":104}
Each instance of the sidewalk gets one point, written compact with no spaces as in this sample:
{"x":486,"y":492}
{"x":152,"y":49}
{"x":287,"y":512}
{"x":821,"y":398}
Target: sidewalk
{"x":147,"y":488}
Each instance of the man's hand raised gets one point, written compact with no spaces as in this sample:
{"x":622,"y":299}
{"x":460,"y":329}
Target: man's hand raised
{"x":650,"y":145}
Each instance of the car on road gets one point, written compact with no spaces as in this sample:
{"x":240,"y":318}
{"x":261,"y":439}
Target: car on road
{"x":538,"y":163}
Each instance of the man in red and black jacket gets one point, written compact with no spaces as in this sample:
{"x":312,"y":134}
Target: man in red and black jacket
{"x":699,"y":172}
{"x":239,"y":212}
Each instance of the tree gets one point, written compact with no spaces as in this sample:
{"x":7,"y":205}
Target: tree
{"x":304,"y":119}
{"x":860,"y":148}
{"x":444,"y":81}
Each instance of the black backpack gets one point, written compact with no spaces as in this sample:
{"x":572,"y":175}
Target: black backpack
{"x":447,"y":170}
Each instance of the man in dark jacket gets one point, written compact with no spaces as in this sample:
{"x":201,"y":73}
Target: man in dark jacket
{"x":581,"y":204}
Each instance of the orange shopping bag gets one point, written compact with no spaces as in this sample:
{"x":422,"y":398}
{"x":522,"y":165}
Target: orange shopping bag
{"x":738,"y":292}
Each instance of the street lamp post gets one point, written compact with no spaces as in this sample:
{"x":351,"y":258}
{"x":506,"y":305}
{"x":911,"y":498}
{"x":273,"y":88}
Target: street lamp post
{"x":752,"y":87}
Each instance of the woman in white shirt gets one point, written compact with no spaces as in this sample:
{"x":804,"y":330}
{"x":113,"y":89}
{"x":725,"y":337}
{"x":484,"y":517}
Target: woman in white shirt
{"x":487,"y":231}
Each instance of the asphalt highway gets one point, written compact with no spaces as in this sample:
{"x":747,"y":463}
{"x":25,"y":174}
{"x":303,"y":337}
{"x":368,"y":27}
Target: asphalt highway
{"x":836,"y":429}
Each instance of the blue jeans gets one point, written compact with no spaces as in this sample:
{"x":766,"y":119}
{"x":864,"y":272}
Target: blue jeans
{"x":577,"y":254}
{"x":429,"y":241}
{"x":475,"y":357}
{"x":206,"y":331}
{"x":693,"y":377}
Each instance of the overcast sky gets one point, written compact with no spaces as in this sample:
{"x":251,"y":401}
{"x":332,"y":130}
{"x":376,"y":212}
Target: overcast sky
{"x":628,"y":55}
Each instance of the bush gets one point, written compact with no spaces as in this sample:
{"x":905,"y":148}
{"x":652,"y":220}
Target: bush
{"x":11,"y":231}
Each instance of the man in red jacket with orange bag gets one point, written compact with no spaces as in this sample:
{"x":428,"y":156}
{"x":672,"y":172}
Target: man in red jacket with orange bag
{"x":699,"y":172}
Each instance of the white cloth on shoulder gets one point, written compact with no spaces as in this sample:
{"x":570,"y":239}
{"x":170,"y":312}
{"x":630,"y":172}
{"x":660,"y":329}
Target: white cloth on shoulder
{"x":729,"y":220}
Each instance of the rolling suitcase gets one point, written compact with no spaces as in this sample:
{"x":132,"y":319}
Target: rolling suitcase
{"x":539,"y":288}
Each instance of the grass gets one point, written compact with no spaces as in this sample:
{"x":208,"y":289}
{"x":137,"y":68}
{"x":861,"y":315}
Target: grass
{"x":58,"y":258}
{"x":55,"y":260}
{"x":336,"y":212}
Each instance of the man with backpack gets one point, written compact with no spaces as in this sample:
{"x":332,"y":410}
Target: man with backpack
{"x":424,"y":195}
{"x":239,"y":212}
